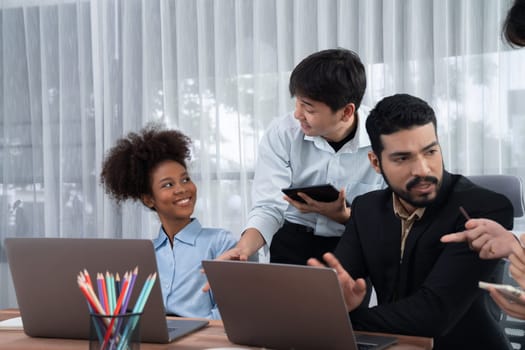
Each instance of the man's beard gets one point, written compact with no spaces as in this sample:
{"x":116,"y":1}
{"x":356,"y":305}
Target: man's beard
{"x":405,"y":194}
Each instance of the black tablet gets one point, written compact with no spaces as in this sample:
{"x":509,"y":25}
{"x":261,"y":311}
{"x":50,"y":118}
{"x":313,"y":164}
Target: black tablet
{"x":321,"y":193}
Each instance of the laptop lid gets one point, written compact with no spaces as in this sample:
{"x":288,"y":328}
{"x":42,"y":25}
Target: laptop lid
{"x":283,"y":306}
{"x":44,"y":272}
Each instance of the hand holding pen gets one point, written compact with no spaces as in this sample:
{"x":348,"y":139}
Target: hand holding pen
{"x":485,"y":236}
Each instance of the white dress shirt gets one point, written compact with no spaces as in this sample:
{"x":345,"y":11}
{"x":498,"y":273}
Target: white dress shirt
{"x":287,"y":157}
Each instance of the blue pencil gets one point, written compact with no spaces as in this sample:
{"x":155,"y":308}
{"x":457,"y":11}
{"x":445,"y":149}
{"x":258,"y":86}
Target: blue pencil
{"x":146,"y":290}
{"x":111,"y":293}
{"x":138,"y":308}
{"x":108,"y":292}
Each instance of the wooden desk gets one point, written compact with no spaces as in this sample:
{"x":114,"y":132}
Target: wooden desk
{"x":212,"y":336}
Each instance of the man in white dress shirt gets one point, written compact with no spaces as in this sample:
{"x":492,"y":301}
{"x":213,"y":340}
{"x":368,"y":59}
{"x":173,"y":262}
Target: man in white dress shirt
{"x":323,"y":141}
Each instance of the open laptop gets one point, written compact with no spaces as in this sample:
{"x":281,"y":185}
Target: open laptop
{"x":45,"y":271}
{"x":284,"y":307}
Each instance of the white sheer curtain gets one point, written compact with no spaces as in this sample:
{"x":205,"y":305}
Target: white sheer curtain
{"x":77,"y":75}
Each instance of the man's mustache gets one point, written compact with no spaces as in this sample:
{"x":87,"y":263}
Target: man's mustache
{"x":415,"y":181}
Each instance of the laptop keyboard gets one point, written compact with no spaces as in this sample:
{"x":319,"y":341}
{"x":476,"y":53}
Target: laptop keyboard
{"x":172,"y":325}
{"x":368,"y":341}
{"x":362,"y":346}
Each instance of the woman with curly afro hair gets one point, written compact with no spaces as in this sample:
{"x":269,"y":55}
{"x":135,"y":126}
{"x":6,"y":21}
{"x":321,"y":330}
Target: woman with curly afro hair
{"x":150,"y":166}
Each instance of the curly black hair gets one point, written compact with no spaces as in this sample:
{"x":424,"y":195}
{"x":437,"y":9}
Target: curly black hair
{"x":127,"y":167}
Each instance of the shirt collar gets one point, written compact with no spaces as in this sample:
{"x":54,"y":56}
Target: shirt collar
{"x":360,"y":140}
{"x":401,"y":212}
{"x":187,"y":235}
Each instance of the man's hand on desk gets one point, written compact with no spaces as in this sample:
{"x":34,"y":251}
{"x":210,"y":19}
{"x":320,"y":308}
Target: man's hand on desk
{"x":251,"y":240}
{"x":354,"y":291}
{"x":336,"y":210}
{"x":232,"y":254}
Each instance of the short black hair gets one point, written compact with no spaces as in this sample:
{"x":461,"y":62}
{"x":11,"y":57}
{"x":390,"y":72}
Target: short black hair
{"x":127,"y":167}
{"x":395,"y":113}
{"x":514,"y":25}
{"x":335,"y":77}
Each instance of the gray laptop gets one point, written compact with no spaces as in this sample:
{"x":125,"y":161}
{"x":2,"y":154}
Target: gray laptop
{"x":45,"y":270}
{"x":284,"y":307}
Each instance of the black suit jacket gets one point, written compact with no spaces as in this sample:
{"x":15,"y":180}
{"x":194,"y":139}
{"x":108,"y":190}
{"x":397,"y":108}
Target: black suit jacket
{"x":434,"y":290}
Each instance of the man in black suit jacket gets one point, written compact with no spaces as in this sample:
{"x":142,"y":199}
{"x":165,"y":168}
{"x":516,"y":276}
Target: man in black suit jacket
{"x":424,"y":287}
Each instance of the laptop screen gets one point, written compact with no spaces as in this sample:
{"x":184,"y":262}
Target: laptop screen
{"x":281,"y":306}
{"x":45,"y":270}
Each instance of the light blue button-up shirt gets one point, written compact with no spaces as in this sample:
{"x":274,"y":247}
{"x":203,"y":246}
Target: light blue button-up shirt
{"x":287,"y":157}
{"x":179,"y":268}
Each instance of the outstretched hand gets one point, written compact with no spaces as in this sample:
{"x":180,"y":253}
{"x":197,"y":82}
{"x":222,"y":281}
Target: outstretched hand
{"x":235,"y":253}
{"x":251,"y":240}
{"x":354,"y":291}
{"x":485,"y":236}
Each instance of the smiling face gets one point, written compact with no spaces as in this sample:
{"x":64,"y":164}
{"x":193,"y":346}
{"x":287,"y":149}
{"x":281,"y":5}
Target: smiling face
{"x":173,"y":195}
{"x":318,"y":119}
{"x":412,"y":165}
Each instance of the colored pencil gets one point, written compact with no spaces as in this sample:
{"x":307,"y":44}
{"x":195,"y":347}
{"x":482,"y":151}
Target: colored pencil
{"x":115,"y":312}
{"x":87,"y":277}
{"x":148,"y":286}
{"x":98,"y":323}
{"x":100,"y":288}
{"x":124,"y":294}
{"x":91,"y":298}
{"x":130,"y":288}
{"x":139,"y":307}
{"x":83,"y":277}
{"x":113,"y":300}
{"x":109,"y":287}
{"x":118,"y":285}
{"x":105,"y":294}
